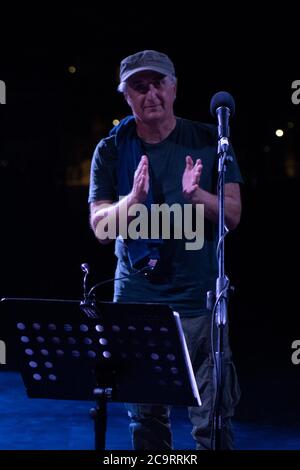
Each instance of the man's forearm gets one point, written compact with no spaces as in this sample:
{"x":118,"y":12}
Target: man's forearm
{"x":211,"y":208}
{"x":106,"y":220}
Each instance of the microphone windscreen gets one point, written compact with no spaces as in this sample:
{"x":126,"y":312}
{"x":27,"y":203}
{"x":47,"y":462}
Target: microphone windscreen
{"x":222,"y":98}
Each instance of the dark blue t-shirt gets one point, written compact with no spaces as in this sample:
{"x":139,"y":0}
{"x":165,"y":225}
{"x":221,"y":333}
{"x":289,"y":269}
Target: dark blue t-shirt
{"x":181,"y":277}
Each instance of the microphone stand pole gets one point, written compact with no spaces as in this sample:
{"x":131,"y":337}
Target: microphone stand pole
{"x":222,"y":293}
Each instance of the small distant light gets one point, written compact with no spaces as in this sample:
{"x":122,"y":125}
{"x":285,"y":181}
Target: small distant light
{"x":279,"y":133}
{"x":291,"y":125}
{"x":72,"y":69}
{"x":116,"y":122}
{"x":267,"y":149}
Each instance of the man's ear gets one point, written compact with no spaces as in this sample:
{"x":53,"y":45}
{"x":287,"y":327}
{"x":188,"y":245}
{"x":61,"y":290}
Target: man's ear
{"x":175,"y":91}
{"x":127,"y":98}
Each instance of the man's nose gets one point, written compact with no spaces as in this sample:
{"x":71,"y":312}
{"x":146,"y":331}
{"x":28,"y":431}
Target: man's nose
{"x":151,"y":89}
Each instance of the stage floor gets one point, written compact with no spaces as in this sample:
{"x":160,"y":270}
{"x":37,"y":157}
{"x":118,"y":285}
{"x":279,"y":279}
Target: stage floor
{"x":39,"y":424}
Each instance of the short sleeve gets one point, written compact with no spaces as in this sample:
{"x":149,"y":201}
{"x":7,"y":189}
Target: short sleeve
{"x":233,"y":174}
{"x":103,"y":173}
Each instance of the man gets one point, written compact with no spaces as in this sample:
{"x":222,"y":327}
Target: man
{"x":154,"y":156}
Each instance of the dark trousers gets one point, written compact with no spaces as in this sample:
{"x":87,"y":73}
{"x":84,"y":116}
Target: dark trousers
{"x":150,"y":424}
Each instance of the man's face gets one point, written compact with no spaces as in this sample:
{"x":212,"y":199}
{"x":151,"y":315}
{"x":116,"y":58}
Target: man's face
{"x":151,"y":96}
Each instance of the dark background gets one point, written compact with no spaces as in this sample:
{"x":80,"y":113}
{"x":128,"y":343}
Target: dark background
{"x":53,"y":119}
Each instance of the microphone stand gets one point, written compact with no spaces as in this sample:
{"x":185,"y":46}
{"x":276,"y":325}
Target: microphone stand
{"x":222,"y":293}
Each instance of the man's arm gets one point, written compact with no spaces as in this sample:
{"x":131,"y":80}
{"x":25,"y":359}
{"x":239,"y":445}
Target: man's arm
{"x":233,"y":205}
{"x":105,"y":213}
{"x":98,"y":210}
{"x":196,"y":195}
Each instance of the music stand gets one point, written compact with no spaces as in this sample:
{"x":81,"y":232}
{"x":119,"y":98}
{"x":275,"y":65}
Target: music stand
{"x":129,"y":352}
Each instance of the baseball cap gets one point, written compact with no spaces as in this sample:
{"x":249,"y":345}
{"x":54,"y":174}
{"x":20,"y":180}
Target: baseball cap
{"x":146,"y":60}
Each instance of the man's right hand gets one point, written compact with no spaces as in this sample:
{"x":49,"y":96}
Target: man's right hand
{"x":140,"y":187}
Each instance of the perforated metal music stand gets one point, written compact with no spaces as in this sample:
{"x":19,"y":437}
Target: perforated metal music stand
{"x":129,"y":352}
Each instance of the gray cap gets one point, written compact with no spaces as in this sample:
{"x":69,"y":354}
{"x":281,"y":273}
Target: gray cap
{"x":146,"y":60}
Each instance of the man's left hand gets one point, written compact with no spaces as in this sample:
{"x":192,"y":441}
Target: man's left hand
{"x":191,"y":179}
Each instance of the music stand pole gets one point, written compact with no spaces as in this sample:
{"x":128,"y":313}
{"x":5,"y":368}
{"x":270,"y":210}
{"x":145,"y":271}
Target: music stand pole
{"x":99,"y":415}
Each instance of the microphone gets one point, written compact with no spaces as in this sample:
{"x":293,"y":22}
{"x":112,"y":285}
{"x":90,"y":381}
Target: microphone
{"x":222,"y":106}
{"x":87,"y":305}
{"x":85,"y":268}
